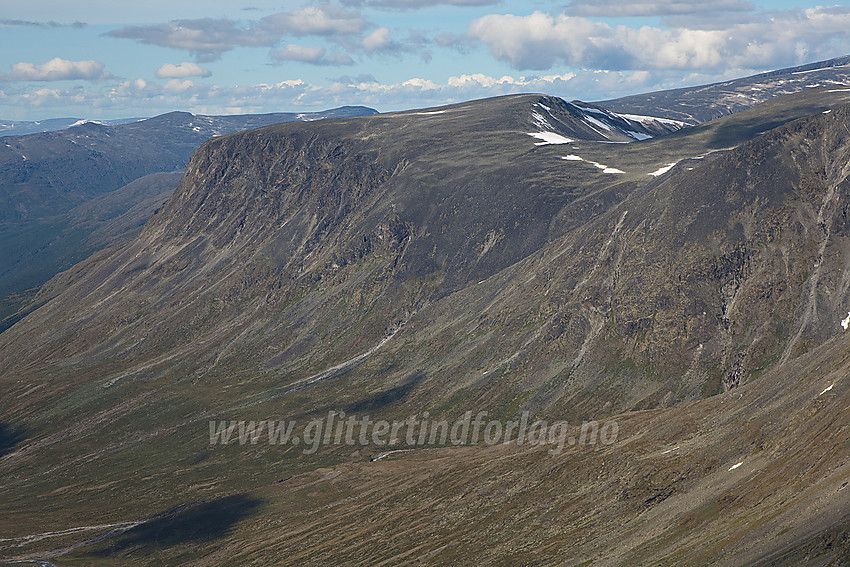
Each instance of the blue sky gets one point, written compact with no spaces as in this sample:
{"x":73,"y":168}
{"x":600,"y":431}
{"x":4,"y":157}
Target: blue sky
{"x":108,"y":59}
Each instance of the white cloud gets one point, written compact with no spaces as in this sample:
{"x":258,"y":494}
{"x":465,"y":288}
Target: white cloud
{"x":181,"y":71}
{"x":139,"y":97}
{"x":58,"y":69}
{"x":378,"y":40}
{"x":177,"y":86}
{"x":312,"y":55}
{"x":205,"y":38}
{"x":541,"y":41}
{"x":420,"y":3}
{"x":208,"y":38}
{"x":314,"y":20}
{"x":42,"y":96}
{"x":631,"y":8}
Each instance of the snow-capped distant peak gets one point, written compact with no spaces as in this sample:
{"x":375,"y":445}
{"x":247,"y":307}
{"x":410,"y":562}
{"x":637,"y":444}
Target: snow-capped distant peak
{"x":85,"y":121}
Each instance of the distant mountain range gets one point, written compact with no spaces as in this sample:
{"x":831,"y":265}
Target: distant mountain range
{"x":24,"y":127}
{"x":695,"y":105}
{"x":43,"y":177}
{"x":518,"y":259}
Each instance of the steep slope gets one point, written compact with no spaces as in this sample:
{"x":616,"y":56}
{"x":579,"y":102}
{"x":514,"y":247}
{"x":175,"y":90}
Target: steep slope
{"x":466,"y":258}
{"x":703,"y":103}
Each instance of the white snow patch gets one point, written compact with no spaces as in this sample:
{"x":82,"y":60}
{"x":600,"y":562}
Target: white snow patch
{"x":644,"y":119}
{"x":604,"y":168}
{"x":669,"y":450}
{"x":593,"y":120}
{"x":816,"y":70}
{"x":593,"y":110}
{"x":540,"y":121}
{"x":544,"y":107}
{"x":827,"y":389}
{"x":549,"y":138}
{"x":430,"y":113}
{"x":733,"y":467}
{"x":827,"y":111}
{"x":846,"y":322}
{"x":839,"y":91}
{"x":639,"y":136}
{"x":84,"y":121}
{"x":662,"y":170}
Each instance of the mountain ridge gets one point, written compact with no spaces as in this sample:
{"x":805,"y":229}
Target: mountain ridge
{"x":689,"y":286}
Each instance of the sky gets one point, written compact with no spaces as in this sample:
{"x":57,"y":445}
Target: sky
{"x":107,"y":59}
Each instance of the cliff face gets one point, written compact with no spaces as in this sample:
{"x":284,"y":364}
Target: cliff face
{"x":306,"y":246}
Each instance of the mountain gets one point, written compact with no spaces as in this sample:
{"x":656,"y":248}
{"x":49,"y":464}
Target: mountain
{"x":46,"y":180}
{"x":23,"y":127}
{"x":695,"y":105}
{"x":686,"y":290}
{"x":34,"y":251}
{"x":49,"y":173}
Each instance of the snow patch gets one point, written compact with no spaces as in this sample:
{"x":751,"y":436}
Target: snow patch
{"x":430,"y":113}
{"x":604,"y":168}
{"x":839,"y":91}
{"x":540,"y":121}
{"x":827,"y":389}
{"x":846,"y":322}
{"x":644,"y":119}
{"x":593,"y":110}
{"x":662,"y":170}
{"x":639,"y":136}
{"x":84,"y":121}
{"x":593,"y":120}
{"x":733,"y":467}
{"x":549,"y":138}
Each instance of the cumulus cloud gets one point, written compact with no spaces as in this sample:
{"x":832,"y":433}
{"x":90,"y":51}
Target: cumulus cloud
{"x":32,"y":24}
{"x":379,"y":40}
{"x":58,"y":69}
{"x":312,"y":55}
{"x":205,"y":38}
{"x":631,"y":8}
{"x":314,"y":20}
{"x":407,"y":4}
{"x":181,"y":71}
{"x":141,"y":97}
{"x":541,"y":41}
{"x":208,"y":38}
